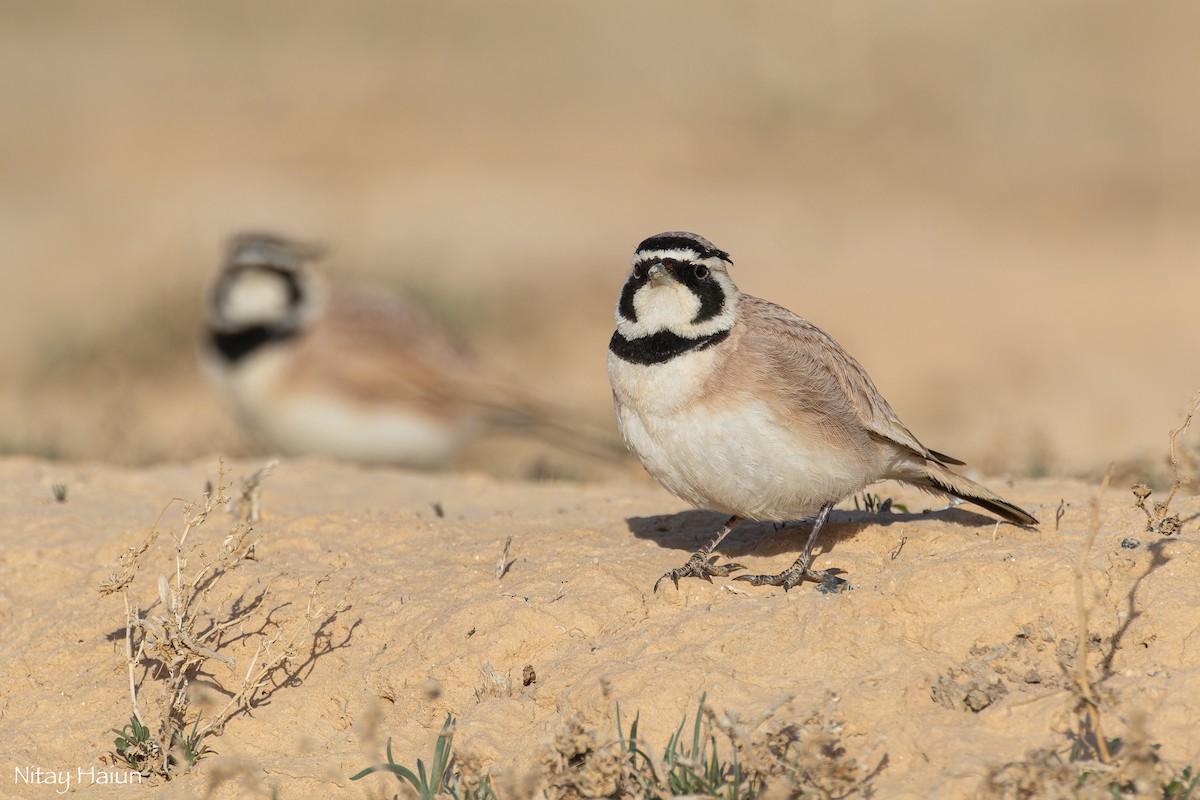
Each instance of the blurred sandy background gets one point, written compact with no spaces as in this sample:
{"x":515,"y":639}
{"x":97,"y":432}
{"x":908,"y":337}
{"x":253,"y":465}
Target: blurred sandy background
{"x":992,"y":205}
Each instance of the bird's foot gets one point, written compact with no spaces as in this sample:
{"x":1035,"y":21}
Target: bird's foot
{"x":827,"y":580}
{"x":700,"y":565}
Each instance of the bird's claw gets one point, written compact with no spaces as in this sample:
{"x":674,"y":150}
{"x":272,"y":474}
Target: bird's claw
{"x":827,"y":581}
{"x":700,"y":565}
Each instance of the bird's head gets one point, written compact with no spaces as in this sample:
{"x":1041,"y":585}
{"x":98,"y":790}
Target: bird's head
{"x":679,"y":282}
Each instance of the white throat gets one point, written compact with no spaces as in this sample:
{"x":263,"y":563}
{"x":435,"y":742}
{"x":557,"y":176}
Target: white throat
{"x":255,"y":298}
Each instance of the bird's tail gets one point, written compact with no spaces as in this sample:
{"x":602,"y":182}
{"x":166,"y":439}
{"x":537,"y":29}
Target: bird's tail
{"x":934,"y":477}
{"x":555,"y":428}
{"x":512,"y":410}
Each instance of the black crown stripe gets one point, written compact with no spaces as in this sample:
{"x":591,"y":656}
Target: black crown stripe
{"x":682,"y":243}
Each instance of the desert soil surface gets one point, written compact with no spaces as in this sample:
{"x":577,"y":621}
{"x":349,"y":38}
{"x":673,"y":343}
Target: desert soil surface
{"x":949,"y":658}
{"x":991,"y":205}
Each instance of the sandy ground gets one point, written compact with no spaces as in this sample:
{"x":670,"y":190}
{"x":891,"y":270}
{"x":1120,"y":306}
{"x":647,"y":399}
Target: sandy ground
{"x":992,"y":206}
{"x":993,"y":209}
{"x":944,"y":604}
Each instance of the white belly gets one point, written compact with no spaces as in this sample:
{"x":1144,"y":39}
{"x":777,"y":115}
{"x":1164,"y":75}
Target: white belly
{"x":733,"y":456}
{"x":326,"y":423}
{"x":330,"y":426}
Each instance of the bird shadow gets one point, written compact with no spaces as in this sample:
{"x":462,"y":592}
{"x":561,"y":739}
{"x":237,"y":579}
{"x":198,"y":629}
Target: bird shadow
{"x":690,"y":530}
{"x":1159,"y":557}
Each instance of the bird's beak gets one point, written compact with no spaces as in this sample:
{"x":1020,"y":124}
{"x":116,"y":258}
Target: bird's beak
{"x":659,"y":276}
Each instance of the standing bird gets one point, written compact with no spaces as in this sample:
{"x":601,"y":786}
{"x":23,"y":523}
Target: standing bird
{"x":738,"y":405}
{"x":353,"y":373}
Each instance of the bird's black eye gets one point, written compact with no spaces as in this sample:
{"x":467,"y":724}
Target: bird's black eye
{"x":700,"y":271}
{"x":637,"y":272}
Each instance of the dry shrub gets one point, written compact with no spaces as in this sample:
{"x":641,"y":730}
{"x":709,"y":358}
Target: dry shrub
{"x":1159,"y":519}
{"x":710,"y":756}
{"x":1133,"y":771}
{"x":188,"y":625}
{"x":578,"y":767}
{"x":1093,"y":766}
{"x":810,"y":760}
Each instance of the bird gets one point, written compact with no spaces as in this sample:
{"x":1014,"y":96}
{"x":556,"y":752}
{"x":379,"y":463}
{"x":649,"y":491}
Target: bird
{"x":738,"y":405}
{"x":353,"y":372}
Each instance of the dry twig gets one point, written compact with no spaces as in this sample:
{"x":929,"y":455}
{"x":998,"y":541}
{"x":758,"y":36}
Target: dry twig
{"x":503,"y":563}
{"x":1088,"y":699}
{"x":1159,"y":520}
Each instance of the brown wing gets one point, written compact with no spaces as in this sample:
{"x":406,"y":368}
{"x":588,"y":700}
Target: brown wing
{"x":380,"y":349}
{"x":818,"y":373}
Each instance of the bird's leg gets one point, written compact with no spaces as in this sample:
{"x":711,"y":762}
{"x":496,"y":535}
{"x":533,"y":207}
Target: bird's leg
{"x":701,"y":565}
{"x":802,"y":569}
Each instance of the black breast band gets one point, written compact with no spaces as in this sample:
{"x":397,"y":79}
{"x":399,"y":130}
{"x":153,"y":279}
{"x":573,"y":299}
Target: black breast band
{"x":236,"y":345}
{"x":659,"y":347}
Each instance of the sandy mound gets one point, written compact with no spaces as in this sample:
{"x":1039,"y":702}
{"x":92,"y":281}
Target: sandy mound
{"x":948,"y":659}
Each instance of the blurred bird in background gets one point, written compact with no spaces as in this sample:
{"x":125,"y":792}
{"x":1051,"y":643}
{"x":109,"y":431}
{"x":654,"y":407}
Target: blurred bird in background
{"x":356,"y":373}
